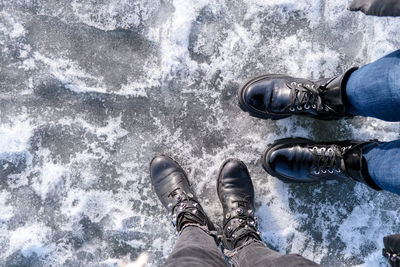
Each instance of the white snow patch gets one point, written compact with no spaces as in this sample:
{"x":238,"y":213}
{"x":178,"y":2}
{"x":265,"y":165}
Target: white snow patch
{"x":14,"y":137}
{"x":30,"y":239}
{"x":52,"y":177}
{"x":175,"y":37}
{"x":6,"y":210}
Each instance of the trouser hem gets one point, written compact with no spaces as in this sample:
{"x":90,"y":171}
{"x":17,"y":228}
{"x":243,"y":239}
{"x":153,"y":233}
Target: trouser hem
{"x":204,"y":229}
{"x":233,"y":252}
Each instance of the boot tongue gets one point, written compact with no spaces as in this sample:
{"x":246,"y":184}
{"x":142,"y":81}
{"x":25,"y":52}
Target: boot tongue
{"x":333,"y":96}
{"x":352,"y":163}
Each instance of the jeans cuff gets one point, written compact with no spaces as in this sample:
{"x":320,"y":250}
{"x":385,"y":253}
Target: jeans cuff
{"x":233,"y":252}
{"x":204,"y":228}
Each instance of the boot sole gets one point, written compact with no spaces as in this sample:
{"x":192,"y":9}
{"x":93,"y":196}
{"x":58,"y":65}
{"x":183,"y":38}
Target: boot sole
{"x":277,"y":144}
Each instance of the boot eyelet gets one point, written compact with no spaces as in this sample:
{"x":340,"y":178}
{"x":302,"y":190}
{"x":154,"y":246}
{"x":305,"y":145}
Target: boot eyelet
{"x":326,"y":108}
{"x":314,"y":106}
{"x":315,"y":148}
{"x":316,"y":172}
{"x":292,"y":109}
{"x":323,"y":171}
{"x":299,"y":107}
{"x":293,"y":83}
{"x":330,"y":171}
{"x":300,"y":84}
{"x":330,"y":150}
{"x":313,"y":86}
{"x":338,"y":170}
{"x":307,"y":106}
{"x":239,"y":211}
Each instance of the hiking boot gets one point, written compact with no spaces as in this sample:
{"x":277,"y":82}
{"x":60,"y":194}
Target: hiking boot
{"x":172,"y":186}
{"x":300,"y":160}
{"x":276,"y":96}
{"x":236,"y":193}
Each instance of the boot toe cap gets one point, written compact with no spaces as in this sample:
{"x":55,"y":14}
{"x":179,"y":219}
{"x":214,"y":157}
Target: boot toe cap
{"x":161,"y":168}
{"x":287,"y":164}
{"x":257,"y":95}
{"x":234,"y":179}
{"x":160,"y":164}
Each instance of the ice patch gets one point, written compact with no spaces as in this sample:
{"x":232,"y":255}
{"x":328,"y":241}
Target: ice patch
{"x":70,"y":74}
{"x":304,"y":59}
{"x":377,"y":129}
{"x":93,"y":204}
{"x":6,"y":210}
{"x":10,"y":26}
{"x":15,"y":137}
{"x":51,"y":179}
{"x":176,"y":36}
{"x":30,"y":239}
{"x":77,"y":80}
{"x":96,"y":206}
{"x":111,"y":132}
{"x":112,"y":15}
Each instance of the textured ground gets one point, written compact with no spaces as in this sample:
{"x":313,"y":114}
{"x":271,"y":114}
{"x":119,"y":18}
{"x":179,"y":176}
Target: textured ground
{"x":90,"y":91}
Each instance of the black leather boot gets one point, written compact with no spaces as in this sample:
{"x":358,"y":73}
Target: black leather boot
{"x":300,"y":160}
{"x":236,"y":193}
{"x":172,"y":187}
{"x":276,"y":96}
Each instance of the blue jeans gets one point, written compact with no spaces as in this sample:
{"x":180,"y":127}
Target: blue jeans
{"x":374,"y":91}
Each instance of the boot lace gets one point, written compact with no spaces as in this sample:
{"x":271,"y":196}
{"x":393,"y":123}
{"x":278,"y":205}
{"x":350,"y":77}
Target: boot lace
{"x":180,"y":198}
{"x":303,"y":96}
{"x":185,"y":208}
{"x":328,"y":159}
{"x":241,"y":221}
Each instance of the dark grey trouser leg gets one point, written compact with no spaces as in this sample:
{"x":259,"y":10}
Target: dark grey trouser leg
{"x":256,"y":254}
{"x":195,"y":248}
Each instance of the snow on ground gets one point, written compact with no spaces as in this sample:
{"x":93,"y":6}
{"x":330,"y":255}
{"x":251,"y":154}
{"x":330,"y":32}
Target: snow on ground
{"x":90,"y":91}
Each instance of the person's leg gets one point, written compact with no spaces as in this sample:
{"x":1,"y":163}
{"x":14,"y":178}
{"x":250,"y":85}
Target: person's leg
{"x":195,"y":247}
{"x":256,"y":254}
{"x":241,"y":239}
{"x":383,"y":161}
{"x":374,"y":89}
